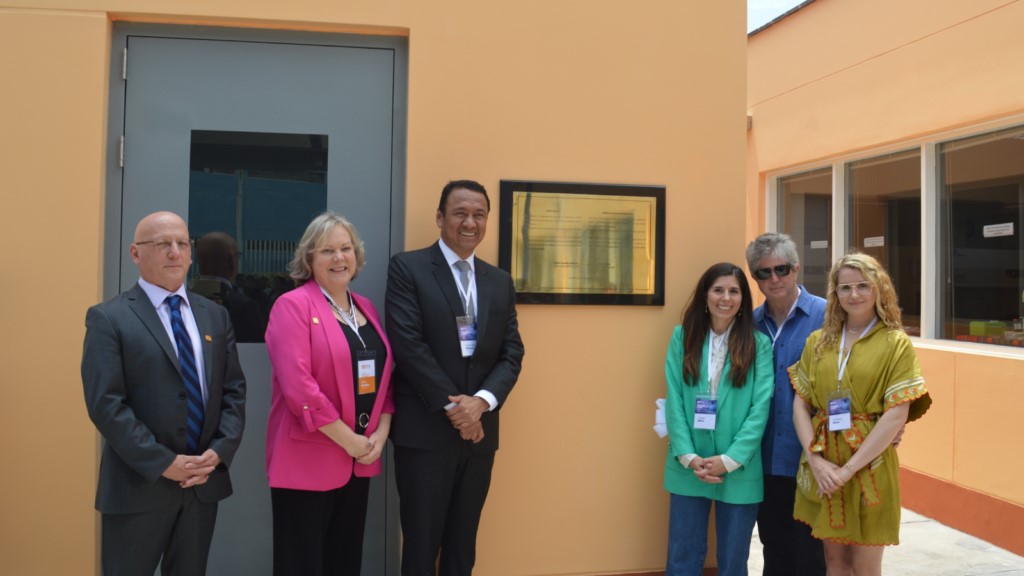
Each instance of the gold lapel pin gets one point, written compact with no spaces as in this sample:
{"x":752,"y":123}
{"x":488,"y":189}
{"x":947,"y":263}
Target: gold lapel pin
{"x":208,"y":338}
{"x":316,"y":320}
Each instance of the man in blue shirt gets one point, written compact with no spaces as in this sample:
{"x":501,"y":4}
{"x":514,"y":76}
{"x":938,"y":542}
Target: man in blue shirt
{"x":788,"y":316}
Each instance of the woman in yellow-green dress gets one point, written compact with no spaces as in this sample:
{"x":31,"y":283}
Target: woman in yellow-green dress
{"x":857,"y":384}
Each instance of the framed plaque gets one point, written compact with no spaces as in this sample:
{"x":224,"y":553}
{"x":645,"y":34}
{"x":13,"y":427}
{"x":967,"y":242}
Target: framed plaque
{"x":566,"y":243}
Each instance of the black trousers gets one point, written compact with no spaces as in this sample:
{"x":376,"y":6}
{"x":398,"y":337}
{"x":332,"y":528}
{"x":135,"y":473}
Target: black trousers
{"x":442,"y":495}
{"x":177,"y":538}
{"x":320,"y":533}
{"x":789,"y":548}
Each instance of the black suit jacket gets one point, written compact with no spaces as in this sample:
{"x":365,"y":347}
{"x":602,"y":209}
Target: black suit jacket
{"x":421,"y":306}
{"x":135,"y":395}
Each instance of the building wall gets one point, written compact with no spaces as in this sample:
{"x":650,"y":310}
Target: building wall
{"x":836,"y":79}
{"x":576,"y":90}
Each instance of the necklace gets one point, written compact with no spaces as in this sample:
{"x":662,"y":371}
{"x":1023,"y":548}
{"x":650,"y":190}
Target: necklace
{"x":347,"y":316}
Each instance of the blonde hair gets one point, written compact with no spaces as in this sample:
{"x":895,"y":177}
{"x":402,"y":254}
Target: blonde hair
{"x":301,"y":266}
{"x":887,"y":305}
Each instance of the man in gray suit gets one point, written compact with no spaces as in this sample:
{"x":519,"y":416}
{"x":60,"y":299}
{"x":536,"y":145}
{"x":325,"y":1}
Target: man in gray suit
{"x":164,"y":387}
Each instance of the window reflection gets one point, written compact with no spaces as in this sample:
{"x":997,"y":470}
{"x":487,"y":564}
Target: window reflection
{"x":885,"y":222}
{"x":981,"y":180}
{"x":251,"y":195}
{"x":806,"y":200}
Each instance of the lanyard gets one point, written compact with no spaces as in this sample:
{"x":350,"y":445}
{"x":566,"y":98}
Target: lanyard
{"x":842,"y":346}
{"x":775,"y":335}
{"x":349,"y":317}
{"x":716,"y":358}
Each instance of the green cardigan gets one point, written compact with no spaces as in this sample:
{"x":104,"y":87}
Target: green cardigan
{"x":742,"y":415}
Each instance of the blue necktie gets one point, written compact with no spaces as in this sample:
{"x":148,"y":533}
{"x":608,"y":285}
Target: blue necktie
{"x":189,"y":373}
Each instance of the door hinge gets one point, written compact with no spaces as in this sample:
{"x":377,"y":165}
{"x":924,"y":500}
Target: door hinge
{"x":120,"y":152}
{"x":124,"y":64}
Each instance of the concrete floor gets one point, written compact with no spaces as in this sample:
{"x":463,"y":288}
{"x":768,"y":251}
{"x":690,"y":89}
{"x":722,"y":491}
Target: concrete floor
{"x":928,"y":548}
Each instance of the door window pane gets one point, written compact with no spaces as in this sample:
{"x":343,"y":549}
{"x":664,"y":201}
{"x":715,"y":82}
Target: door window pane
{"x":885,"y":222}
{"x":981,"y":181}
{"x":806,"y":208}
{"x":251,"y":196}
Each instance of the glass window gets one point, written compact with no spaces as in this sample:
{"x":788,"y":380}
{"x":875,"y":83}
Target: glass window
{"x":981,"y":179}
{"x":806,"y":209}
{"x":884,"y":221}
{"x":251,"y":196}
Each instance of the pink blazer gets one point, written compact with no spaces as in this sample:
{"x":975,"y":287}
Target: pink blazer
{"x":312,"y":386}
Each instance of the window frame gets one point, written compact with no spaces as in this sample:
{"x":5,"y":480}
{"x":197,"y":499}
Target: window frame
{"x":931,"y":269}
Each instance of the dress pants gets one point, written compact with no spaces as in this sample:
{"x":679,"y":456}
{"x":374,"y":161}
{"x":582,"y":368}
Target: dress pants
{"x":177,"y":538}
{"x":320,"y":533}
{"x":442,"y":494}
{"x":688,"y":535}
{"x":789,"y":548}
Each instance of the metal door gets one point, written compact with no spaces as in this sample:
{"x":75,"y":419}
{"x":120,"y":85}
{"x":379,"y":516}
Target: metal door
{"x":250,"y":134}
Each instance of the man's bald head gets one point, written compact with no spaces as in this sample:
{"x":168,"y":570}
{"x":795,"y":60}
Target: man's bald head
{"x":162,"y":250}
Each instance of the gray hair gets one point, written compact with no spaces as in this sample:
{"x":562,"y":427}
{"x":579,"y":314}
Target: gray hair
{"x":772,"y":244}
{"x":301,"y":268}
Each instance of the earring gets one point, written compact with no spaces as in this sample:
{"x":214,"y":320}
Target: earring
{"x":706,"y":311}
{"x":740,"y":313}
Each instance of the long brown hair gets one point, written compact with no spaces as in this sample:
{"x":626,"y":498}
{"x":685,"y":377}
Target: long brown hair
{"x":696,"y":322}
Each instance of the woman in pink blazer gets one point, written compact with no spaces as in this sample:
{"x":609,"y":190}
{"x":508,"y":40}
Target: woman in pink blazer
{"x":331,"y":405}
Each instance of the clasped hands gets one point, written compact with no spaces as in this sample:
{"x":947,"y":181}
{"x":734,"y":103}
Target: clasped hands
{"x":710,"y":470}
{"x":465,"y":416}
{"x":189,"y":471}
{"x":829,"y":476}
{"x":366,"y":449}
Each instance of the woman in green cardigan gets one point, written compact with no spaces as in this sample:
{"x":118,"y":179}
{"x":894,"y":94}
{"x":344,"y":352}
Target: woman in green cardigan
{"x":720,"y":383}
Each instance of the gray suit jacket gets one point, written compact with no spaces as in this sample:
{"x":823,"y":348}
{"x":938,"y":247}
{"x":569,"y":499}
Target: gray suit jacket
{"x":421,"y":305}
{"x":136,"y":397}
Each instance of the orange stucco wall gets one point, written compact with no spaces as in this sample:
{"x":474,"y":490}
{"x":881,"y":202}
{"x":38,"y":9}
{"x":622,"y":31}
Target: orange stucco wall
{"x":840,"y":79}
{"x":575,"y":90}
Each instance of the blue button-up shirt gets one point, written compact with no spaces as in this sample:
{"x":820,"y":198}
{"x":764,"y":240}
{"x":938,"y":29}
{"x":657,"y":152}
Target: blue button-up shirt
{"x":780,"y":448}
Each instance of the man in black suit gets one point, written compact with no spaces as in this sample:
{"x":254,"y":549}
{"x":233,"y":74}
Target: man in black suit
{"x":451,"y":319}
{"x":165,"y":389}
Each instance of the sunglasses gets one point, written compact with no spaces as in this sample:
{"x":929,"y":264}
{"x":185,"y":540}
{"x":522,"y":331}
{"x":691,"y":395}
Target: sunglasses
{"x":781,"y":270}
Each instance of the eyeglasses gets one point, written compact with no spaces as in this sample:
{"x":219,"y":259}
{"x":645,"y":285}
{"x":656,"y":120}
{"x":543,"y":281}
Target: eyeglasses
{"x":165,"y":245}
{"x":862,"y":289}
{"x":782,"y":270}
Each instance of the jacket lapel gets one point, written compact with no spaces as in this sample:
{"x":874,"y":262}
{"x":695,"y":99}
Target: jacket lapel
{"x":143,"y":308}
{"x":337,"y":343}
{"x":446,"y":281}
{"x":724,"y":383}
{"x":205,"y":325}
{"x":483,"y":297}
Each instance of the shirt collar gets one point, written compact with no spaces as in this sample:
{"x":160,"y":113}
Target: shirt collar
{"x":158,"y":295}
{"x":451,"y":257}
{"x":804,"y":301}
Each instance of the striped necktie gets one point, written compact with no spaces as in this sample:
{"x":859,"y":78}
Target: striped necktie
{"x":189,"y":374}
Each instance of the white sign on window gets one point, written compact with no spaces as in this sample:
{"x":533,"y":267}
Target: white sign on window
{"x":874,"y":242}
{"x":994,"y":230}
{"x":819,"y":244}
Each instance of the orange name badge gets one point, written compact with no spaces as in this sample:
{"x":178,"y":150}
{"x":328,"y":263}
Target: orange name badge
{"x":367,"y":383}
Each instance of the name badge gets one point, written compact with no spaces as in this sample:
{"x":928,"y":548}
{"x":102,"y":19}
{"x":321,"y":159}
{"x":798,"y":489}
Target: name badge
{"x":839,"y":411}
{"x":467,"y":334}
{"x":705,"y":412}
{"x":366,"y":364}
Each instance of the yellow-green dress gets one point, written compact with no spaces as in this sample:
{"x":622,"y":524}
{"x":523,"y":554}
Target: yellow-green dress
{"x":882,"y":372}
